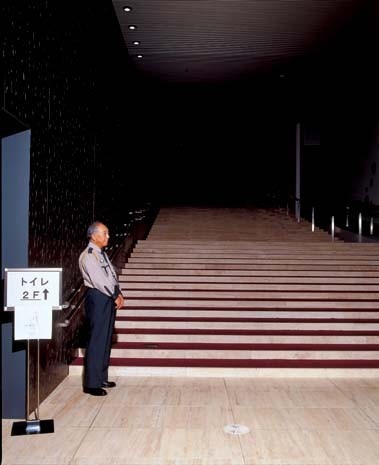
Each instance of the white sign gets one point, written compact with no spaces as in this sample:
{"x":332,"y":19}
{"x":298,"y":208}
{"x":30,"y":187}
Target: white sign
{"x":32,"y":323}
{"x":33,"y":288}
{"x":33,"y":294}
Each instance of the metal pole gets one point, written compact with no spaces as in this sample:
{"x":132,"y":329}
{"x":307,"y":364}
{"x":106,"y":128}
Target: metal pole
{"x":347,"y":217}
{"x":360,"y":226}
{"x":371,"y":226}
{"x":27,"y":379}
{"x":38,"y":357}
{"x":332,"y":228}
{"x":313,"y":219}
{"x":297,"y":190}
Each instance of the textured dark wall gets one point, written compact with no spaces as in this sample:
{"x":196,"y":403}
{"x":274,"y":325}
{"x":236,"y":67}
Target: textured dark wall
{"x":65,"y":65}
{"x":60,"y":63}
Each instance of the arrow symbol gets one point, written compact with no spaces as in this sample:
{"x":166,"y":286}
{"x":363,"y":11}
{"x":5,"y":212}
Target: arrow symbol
{"x":45,"y":292}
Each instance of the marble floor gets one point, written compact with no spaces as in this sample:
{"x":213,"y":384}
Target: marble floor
{"x":206,"y":421}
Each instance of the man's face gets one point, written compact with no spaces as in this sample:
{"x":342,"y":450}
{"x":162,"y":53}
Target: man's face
{"x":101,"y":236}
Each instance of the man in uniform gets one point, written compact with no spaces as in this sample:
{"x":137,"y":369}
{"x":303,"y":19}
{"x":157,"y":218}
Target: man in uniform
{"x":103,"y":297}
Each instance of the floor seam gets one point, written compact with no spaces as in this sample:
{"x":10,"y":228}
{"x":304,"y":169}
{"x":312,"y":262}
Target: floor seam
{"x":234,"y":421}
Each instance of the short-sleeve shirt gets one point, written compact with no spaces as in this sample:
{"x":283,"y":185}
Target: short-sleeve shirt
{"x":97,"y":270}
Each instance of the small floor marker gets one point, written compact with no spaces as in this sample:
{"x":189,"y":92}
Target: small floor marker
{"x":236,"y":430}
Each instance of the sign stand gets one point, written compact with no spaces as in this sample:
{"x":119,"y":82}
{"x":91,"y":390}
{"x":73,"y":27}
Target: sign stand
{"x":36,"y":426}
{"x":34,"y":292}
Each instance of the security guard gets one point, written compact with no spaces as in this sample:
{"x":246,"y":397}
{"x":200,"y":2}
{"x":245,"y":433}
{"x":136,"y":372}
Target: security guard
{"x":102,"y":298}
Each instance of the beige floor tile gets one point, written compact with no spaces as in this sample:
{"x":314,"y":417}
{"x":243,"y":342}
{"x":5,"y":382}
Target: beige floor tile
{"x":140,"y":381}
{"x":64,"y":394}
{"x":329,"y":419}
{"x":79,"y":410}
{"x":180,"y":421}
{"x":289,"y":447}
{"x":57,"y":448}
{"x":372,"y":413}
{"x":265,"y":384}
{"x":138,"y":395}
{"x":194,"y":394}
{"x":7,"y":427}
{"x":199,"y":394}
{"x":113,"y":415}
{"x":321,"y":398}
{"x":324,"y":419}
{"x":183,"y":417}
{"x":346,"y":383}
{"x":209,"y":445}
{"x":351,"y":447}
{"x":270,"y":419}
{"x":288,"y":393}
{"x":363,"y":396}
{"x":247,"y":397}
{"x":115,"y":446}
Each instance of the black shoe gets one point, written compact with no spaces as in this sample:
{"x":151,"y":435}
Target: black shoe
{"x":94,"y":391}
{"x":108,"y":384}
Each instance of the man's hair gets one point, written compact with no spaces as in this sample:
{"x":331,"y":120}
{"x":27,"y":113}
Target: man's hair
{"x":93,"y":228}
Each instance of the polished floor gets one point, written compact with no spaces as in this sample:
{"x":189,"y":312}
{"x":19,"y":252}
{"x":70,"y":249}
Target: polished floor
{"x":207,"y":421}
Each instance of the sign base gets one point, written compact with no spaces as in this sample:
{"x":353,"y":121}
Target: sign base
{"x":20,"y":428}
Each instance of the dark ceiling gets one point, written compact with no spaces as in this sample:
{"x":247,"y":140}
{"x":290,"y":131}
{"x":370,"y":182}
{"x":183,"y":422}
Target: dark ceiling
{"x":223,"y":83}
{"x":229,"y":40}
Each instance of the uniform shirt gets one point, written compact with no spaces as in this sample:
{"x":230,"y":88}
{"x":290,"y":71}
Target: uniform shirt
{"x":97,"y":271}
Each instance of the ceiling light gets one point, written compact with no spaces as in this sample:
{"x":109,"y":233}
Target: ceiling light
{"x":136,"y":42}
{"x":132,"y":27}
{"x":140,"y":56}
{"x":127,"y":8}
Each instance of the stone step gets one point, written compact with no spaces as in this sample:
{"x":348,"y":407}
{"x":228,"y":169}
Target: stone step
{"x":148,"y":246}
{"x":254,"y":245}
{"x":271,"y":275}
{"x":236,"y":296}
{"x":243,"y":287}
{"x":255,"y":355}
{"x":231,"y":351}
{"x":374,"y":261}
{"x":367,"y":332}
{"x":349,"y":282}
{"x":304,"y":234}
{"x":240,"y":324}
{"x":327,"y":267}
{"x":246,"y":314}
{"x":246,"y":289}
{"x":237,"y":338}
{"x":236,"y":367}
{"x":249,"y":304}
{"x":255,"y":255}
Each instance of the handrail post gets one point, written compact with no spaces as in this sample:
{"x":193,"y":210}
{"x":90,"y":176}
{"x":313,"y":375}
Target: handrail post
{"x":298,"y":172}
{"x":332,"y":228}
{"x":313,"y":219}
{"x":347,"y":217}
{"x":297,"y":210}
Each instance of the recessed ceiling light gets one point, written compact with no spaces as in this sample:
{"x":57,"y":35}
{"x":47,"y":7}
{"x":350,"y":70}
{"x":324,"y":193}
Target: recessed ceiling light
{"x":127,"y":8}
{"x":132,"y":27}
{"x":140,"y":56}
{"x":136,"y":42}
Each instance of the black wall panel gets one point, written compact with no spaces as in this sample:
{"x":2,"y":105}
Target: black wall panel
{"x":65,"y":65}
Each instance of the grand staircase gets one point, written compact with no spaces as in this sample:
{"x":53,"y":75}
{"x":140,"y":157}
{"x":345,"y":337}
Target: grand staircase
{"x":245,"y":288}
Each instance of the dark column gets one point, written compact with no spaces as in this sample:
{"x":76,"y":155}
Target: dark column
{"x":15,"y":156}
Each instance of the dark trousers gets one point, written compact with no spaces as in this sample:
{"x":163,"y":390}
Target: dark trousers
{"x":100,"y":314}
